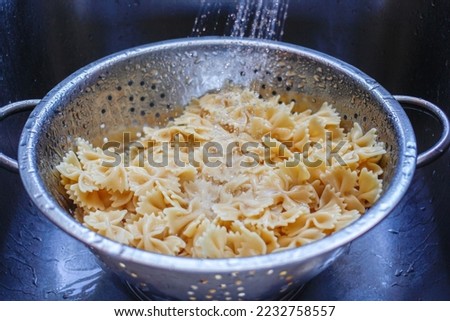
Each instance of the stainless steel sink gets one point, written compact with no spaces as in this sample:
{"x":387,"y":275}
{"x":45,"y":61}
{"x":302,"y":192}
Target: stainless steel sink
{"x":403,"y":44}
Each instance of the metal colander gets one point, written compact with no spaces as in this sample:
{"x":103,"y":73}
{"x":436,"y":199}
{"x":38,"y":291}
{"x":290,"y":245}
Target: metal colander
{"x":147,"y":86}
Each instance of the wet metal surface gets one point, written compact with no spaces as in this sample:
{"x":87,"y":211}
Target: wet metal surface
{"x":401,"y":44}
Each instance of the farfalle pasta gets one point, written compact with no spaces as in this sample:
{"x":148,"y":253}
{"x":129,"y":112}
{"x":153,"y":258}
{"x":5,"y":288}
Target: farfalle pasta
{"x":235,"y":175}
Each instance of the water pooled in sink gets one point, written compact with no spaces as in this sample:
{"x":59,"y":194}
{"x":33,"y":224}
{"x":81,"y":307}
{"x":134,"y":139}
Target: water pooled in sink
{"x":260,"y":19}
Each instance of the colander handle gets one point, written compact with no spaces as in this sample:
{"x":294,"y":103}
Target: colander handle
{"x":5,"y":161}
{"x":443,"y":143}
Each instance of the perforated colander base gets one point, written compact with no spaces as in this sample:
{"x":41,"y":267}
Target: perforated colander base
{"x":146,"y":296}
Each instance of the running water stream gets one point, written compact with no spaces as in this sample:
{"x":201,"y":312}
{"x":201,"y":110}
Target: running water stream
{"x":260,"y":19}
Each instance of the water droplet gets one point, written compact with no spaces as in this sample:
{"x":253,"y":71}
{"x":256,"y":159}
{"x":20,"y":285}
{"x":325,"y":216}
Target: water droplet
{"x":410,"y":269}
{"x":398,"y":272}
{"x":49,"y":207}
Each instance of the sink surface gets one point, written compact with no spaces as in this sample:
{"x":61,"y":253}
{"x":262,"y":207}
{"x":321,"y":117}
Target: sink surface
{"x":402,"y":44}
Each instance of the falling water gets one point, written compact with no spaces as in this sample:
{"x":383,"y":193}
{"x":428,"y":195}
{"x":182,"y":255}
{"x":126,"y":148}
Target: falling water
{"x":260,"y":19}
{"x":207,"y":19}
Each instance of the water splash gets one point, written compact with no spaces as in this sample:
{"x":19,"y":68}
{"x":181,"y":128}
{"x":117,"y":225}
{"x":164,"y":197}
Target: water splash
{"x":260,"y":19}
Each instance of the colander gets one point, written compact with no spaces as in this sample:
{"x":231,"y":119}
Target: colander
{"x":148,"y":85}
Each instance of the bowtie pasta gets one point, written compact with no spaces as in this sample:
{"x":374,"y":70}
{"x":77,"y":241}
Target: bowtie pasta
{"x":275,"y":188}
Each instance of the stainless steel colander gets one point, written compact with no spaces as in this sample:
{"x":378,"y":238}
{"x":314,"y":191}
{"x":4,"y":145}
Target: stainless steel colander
{"x":149,"y":84}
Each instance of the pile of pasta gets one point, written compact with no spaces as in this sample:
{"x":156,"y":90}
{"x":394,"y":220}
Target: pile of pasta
{"x":243,"y":205}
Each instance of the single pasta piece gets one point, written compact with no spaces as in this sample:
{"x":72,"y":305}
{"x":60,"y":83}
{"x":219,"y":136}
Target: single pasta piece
{"x":235,"y":175}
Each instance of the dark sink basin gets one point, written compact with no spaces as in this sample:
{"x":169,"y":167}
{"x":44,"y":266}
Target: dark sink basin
{"x":403,"y":44}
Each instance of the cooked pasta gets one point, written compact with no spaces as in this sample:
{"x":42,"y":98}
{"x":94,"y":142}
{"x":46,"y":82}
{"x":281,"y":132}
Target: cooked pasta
{"x":234,"y":175}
